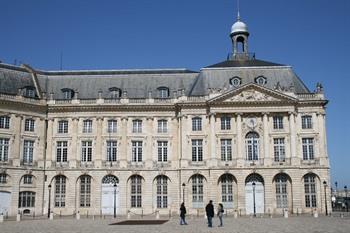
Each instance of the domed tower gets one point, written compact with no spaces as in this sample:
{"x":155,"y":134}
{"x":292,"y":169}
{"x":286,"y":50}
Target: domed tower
{"x":239,"y":36}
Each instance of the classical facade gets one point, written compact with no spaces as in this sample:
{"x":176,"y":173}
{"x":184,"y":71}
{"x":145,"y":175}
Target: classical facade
{"x":244,"y":132}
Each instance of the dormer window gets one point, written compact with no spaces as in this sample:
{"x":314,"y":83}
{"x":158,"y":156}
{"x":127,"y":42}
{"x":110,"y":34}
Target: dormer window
{"x":29,"y":92}
{"x":235,"y":81}
{"x":261,"y":80}
{"x":163,"y":92}
{"x":115,"y":92}
{"x":67,"y":93}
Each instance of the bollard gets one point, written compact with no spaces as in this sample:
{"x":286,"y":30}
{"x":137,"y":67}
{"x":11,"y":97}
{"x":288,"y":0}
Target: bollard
{"x":93,"y":217}
{"x":51,"y":216}
{"x":341,"y":215}
{"x":285,"y":213}
{"x":18,"y":217}
{"x":157,"y":214}
{"x":235,"y":214}
{"x":315,"y":214}
{"x":1,"y":218}
{"x":128,"y":214}
{"x":78,"y":215}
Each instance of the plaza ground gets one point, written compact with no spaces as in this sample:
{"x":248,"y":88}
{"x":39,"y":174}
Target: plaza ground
{"x":298,"y":224}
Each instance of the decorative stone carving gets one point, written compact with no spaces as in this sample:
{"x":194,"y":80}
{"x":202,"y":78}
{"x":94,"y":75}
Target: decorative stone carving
{"x":251,"y":95}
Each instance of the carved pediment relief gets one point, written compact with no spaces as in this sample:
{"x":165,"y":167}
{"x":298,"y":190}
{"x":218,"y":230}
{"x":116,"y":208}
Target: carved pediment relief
{"x":251,"y":95}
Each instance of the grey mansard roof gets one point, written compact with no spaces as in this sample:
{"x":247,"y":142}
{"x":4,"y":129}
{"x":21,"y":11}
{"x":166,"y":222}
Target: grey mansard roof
{"x":142,"y":83}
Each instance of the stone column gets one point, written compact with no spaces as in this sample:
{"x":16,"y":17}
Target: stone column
{"x":292,"y":130}
{"x":123,"y":155}
{"x":213,"y":157}
{"x":49,"y":149}
{"x":15,"y":153}
{"x":99,"y":142}
{"x":148,"y":155}
{"x":322,"y":140}
{"x":74,"y":150}
{"x":240,"y":146}
{"x":267,"y":156}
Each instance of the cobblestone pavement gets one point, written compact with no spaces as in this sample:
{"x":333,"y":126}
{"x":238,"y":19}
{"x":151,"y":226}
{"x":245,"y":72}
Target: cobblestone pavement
{"x":242,"y":225}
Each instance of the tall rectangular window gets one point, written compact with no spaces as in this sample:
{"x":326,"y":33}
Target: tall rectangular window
{"x":87,"y":126}
{"x":60,"y":191}
{"x":226,"y":149}
{"x":278,"y":122}
{"x":26,"y":199}
{"x":28,"y":151}
{"x":136,"y":191}
{"x":62,"y":126}
{"x":279,"y":150}
{"x":136,"y":151}
{"x":197,"y":150}
{"x":86,"y":151}
{"x":112,"y":150}
{"x":4,"y":122}
{"x":27,"y":179}
{"x":310,"y":191}
{"x":4,"y":149}
{"x":112,"y":126}
{"x":281,"y":191}
{"x":225,"y":123}
{"x":29,"y":125}
{"x":162,"y":126}
{"x":137,"y":126}
{"x":308,"y":148}
{"x":85,"y":191}
{"x":162,"y":151}
{"x":227,"y":190}
{"x":196,"y":124}
{"x":61,"y":151}
{"x":162,"y":192}
{"x":197,"y":191}
{"x":306,"y":122}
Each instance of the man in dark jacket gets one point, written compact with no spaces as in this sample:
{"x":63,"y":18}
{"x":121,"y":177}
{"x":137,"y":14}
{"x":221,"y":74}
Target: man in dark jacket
{"x":209,"y":209}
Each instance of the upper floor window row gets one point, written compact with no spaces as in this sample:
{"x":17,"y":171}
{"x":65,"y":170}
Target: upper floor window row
{"x":87,"y":126}
{"x":278,"y":122}
{"x":4,"y":122}
{"x":306,"y":122}
{"x":62,"y":126}
{"x":137,"y":126}
{"x":196,"y":124}
{"x":29,"y":125}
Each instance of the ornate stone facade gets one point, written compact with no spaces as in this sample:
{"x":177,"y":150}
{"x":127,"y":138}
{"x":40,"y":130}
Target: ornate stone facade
{"x":163,"y":137}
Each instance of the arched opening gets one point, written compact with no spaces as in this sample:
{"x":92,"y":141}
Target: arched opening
{"x":161,"y":192}
{"x":197,"y":182}
{"x":240,"y":44}
{"x":254,"y":194}
{"x":283,"y":191}
{"x":228,"y":183}
{"x":109,"y":194}
{"x":5,"y":201}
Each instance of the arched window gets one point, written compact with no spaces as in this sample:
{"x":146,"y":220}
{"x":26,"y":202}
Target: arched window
{"x":281,"y":191}
{"x":85,"y":191}
{"x":67,"y":93}
{"x":162,"y":192}
{"x":252,"y":146}
{"x":197,"y":191}
{"x":115,"y":92}
{"x":136,"y":191}
{"x":60,"y":191}
{"x":227,"y":190}
{"x":163,"y":92}
{"x":110,"y":179}
{"x":26,"y":199}
{"x":310,"y":190}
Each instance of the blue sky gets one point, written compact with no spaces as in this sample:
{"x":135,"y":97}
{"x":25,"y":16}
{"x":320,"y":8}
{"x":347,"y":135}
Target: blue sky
{"x":311,"y":36}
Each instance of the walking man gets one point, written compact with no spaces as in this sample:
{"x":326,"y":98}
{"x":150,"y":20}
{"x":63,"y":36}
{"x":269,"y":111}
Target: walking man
{"x":183,"y":214}
{"x":209,"y":209}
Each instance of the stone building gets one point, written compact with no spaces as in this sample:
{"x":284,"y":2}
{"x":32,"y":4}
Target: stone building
{"x":244,"y":132}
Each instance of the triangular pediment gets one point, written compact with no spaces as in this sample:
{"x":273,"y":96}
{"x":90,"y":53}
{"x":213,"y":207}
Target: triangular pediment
{"x":252,"y":93}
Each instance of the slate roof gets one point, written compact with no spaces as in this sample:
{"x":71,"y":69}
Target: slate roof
{"x":138,"y":83}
